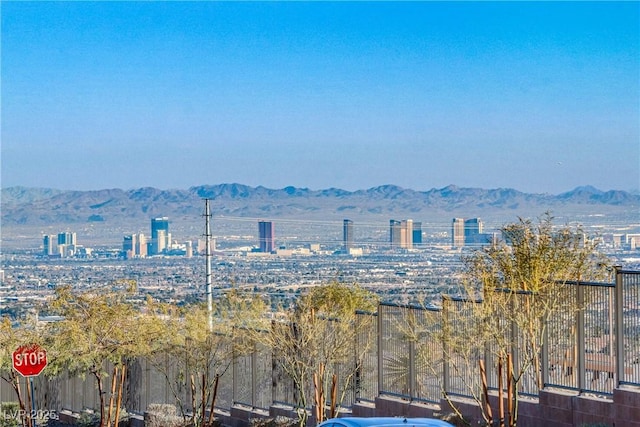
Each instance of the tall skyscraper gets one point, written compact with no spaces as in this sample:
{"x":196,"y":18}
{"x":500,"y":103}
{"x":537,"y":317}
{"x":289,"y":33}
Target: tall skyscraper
{"x":394,"y":233}
{"x":417,"y":233}
{"x":160,"y":242}
{"x":134,"y":246}
{"x":66,"y":238}
{"x":47,"y":245}
{"x":457,"y":233}
{"x":141,"y":246}
{"x":129,"y":246}
{"x":266,"y":232}
{"x":473,"y":234}
{"x":406,"y":234}
{"x":347,"y":235}
{"x":401,"y":233}
{"x":159,"y":235}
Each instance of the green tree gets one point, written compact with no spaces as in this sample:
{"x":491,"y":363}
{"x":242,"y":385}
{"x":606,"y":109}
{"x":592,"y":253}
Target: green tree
{"x":98,"y":328}
{"x":522,"y":284}
{"x":314,"y":341}
{"x":192,"y":358}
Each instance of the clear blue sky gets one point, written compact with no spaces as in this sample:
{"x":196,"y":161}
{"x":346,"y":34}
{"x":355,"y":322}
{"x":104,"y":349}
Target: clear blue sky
{"x":540,"y":97}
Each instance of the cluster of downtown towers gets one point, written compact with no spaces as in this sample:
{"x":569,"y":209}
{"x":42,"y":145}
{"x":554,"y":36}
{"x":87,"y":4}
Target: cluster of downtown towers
{"x":402,"y":234}
{"x":405,"y":234}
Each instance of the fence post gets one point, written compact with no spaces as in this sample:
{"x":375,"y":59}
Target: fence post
{"x":380,"y":347}
{"x":445,"y":347}
{"x":545,"y":355}
{"x":515,"y":338}
{"x":274,"y":362}
{"x":357,"y":363}
{"x":619,"y":327}
{"x":580,"y":338}
{"x":412,"y":359}
{"x":254,"y":379}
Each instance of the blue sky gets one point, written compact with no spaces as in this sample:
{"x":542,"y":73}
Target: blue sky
{"x":540,"y":97}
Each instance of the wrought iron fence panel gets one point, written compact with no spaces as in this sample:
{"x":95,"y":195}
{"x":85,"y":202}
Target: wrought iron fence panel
{"x":365,"y":381}
{"x":463,"y":348}
{"x":429,"y":358}
{"x":394,"y":351}
{"x":223,"y":366}
{"x":243,"y":378}
{"x":263,"y":379}
{"x":599,"y":374}
{"x":283,"y":385}
{"x":502,"y":334}
{"x":561,"y":342}
{"x":628,"y":307}
{"x":526,"y":342}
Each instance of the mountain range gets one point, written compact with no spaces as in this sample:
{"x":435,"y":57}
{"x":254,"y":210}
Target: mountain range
{"x":36,"y":206}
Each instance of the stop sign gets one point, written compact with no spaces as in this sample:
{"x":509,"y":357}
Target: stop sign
{"x":29,"y":360}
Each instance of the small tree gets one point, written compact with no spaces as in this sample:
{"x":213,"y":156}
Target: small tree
{"x":197,"y":357}
{"x":508,"y":293}
{"x":313,"y":340}
{"x":97,"y":327}
{"x":522,"y":284}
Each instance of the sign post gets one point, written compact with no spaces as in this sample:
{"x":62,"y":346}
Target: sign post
{"x":29,"y":361}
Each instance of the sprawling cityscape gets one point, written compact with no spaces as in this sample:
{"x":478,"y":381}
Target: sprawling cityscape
{"x":408,"y":262}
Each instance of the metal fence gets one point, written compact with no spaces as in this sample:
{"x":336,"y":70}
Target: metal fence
{"x":252,"y":378}
{"x":416,"y":354}
{"x":366,"y":375}
{"x":627,"y":315}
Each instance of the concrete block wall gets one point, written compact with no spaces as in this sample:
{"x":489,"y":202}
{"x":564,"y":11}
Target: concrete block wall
{"x":553,"y":408}
{"x":467,"y":407}
{"x":627,"y":407}
{"x":388,"y":406}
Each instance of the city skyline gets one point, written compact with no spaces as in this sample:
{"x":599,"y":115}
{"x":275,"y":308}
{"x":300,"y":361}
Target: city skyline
{"x":541,"y":97}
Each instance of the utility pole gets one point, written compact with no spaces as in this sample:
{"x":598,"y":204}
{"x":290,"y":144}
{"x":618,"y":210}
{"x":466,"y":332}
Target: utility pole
{"x":207,"y":215}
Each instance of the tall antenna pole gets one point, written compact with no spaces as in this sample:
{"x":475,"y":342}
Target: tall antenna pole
{"x":207,"y":257}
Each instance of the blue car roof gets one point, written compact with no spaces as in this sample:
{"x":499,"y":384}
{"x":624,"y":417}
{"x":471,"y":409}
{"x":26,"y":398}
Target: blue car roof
{"x":385,"y":422}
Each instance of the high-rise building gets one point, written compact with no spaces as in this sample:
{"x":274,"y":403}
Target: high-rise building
{"x":159,"y":244}
{"x":141,"y":246}
{"x":406,"y":234}
{"x":66,"y":238}
{"x":66,"y":244}
{"x":134,"y":246}
{"x":417,"y":233}
{"x":457,"y":233}
{"x":129,"y":246}
{"x":394,"y":233}
{"x":159,"y":235}
{"x":347,"y":235}
{"x":266,"y":232}
{"x":473,"y":232}
{"x":47,"y":245}
{"x":401,"y":233}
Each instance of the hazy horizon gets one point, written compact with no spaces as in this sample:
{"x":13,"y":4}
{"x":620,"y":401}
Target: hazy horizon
{"x":540,"y":97}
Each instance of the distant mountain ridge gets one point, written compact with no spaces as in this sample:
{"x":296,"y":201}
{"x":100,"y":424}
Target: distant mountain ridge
{"x":22,"y":205}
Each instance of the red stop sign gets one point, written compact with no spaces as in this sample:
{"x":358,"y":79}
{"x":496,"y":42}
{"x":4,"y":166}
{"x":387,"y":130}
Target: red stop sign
{"x":29,"y":360}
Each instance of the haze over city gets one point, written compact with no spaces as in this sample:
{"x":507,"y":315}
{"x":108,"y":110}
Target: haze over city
{"x":540,"y":97}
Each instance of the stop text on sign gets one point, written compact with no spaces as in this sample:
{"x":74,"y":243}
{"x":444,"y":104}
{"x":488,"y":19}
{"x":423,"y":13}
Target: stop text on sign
{"x":29,"y":360}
